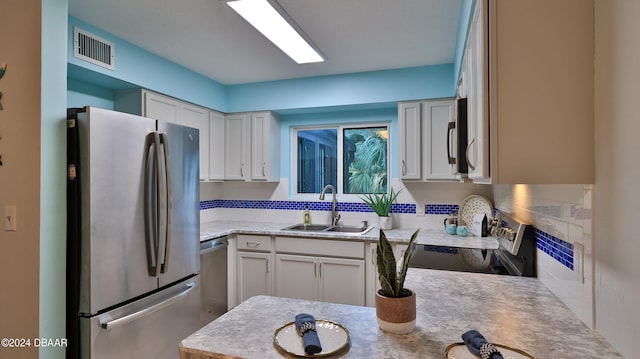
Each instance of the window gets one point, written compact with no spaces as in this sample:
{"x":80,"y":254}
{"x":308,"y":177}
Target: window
{"x":354,"y":159}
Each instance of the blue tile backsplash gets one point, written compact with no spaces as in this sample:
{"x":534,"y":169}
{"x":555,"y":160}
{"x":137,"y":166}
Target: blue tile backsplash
{"x":441,"y":208}
{"x":555,"y":247}
{"x":408,"y":208}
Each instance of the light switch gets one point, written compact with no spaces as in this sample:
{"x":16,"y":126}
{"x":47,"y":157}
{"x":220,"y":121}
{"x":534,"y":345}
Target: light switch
{"x":10,"y":218}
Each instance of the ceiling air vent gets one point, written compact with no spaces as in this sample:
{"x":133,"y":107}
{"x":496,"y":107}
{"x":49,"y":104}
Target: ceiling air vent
{"x":91,"y":48}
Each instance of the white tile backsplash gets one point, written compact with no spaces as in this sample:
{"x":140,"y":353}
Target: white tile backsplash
{"x":562,"y":211}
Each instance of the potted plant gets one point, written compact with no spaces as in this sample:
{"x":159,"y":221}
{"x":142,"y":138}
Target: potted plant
{"x":395,"y":304}
{"x":381,"y":204}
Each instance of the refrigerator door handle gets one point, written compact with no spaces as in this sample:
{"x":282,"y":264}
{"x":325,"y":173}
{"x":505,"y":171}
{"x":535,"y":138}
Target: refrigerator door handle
{"x":108,"y":325}
{"x":151,"y":201}
{"x":165,"y":196}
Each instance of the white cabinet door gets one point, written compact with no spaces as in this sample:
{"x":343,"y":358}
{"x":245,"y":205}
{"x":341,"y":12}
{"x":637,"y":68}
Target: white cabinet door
{"x":254,"y":273}
{"x":260,"y":146}
{"x":438,"y":140}
{"x":341,"y":280}
{"x":198,"y":117}
{"x":335,"y":280}
{"x":265,"y":147}
{"x":216,"y":146}
{"x":235,"y":147}
{"x":297,"y":276}
{"x":161,"y":107}
{"x":478,"y":116}
{"x":409,"y":144}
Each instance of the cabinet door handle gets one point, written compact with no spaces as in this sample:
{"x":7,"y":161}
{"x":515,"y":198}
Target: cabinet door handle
{"x":471,"y":166}
{"x":267,"y":265}
{"x":373,"y":255}
{"x":320,"y":269}
{"x":404,"y":167}
{"x":450,"y":128}
{"x":253,"y":244}
{"x":264,"y":173}
{"x":315,"y":269}
{"x":242,"y":169}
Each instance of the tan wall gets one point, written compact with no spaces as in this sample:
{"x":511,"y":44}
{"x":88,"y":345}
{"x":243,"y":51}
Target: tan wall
{"x":20,"y":173}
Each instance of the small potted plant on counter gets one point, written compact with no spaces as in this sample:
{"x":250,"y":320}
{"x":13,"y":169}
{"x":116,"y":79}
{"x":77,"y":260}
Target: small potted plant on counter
{"x":381,"y":204}
{"x":395,"y":304}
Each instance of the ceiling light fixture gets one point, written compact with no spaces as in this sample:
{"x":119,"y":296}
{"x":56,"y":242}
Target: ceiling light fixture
{"x":276,"y":25}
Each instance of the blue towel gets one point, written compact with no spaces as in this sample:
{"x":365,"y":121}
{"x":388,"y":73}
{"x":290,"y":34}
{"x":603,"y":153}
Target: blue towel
{"x":306,"y":327}
{"x":479,"y":346}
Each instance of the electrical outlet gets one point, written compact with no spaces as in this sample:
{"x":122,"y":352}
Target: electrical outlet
{"x":10,"y":218}
{"x":420,"y":209}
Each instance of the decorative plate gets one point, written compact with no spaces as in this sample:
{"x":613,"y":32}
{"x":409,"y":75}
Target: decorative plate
{"x":460,"y":351}
{"x":471,"y":206}
{"x":334,"y":339}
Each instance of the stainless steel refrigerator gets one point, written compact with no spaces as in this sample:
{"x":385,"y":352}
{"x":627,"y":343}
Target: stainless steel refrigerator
{"x":133,"y":235}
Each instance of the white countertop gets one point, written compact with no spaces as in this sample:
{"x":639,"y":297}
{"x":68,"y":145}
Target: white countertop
{"x":518,"y":312}
{"x":214,"y":229}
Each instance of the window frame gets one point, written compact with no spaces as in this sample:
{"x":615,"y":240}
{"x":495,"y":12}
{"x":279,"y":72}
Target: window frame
{"x":340,"y":127}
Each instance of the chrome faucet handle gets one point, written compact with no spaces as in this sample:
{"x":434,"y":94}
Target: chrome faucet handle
{"x":336,"y":219}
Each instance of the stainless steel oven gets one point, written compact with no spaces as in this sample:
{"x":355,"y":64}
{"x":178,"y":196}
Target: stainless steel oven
{"x":213,"y":267}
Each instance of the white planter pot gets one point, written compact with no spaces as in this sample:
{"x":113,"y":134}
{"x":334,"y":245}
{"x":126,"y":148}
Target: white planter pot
{"x":385,"y":222}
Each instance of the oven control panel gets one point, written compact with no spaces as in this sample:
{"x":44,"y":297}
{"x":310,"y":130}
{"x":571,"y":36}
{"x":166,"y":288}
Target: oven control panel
{"x":508,"y":231}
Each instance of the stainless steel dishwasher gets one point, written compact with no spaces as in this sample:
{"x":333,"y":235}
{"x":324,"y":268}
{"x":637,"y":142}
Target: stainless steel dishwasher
{"x":213,"y":268}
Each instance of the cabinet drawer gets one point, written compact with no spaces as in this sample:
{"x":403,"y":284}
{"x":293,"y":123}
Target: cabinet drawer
{"x":320,"y":247}
{"x":254,"y":242}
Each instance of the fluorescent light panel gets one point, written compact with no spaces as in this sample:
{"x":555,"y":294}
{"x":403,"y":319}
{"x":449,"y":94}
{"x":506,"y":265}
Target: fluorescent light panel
{"x":273,"y":25}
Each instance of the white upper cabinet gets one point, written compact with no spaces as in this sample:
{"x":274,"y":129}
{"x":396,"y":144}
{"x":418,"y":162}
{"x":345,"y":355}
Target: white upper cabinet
{"x":236,"y":146}
{"x":216,"y":146}
{"x":265,"y":147}
{"x":252,"y":151}
{"x":198,"y":117}
{"x":164,"y":108}
{"x":409,"y":124}
{"x":439,"y":140}
{"x":161,"y":107}
{"x":477,"y":149}
{"x":426,"y":141}
{"x":529,"y":83}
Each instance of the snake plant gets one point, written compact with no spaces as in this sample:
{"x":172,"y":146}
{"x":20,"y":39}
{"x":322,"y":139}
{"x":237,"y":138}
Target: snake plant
{"x":381,"y":203}
{"x":390,"y":276}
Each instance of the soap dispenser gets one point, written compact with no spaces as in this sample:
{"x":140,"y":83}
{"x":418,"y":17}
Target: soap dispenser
{"x":306,"y":215}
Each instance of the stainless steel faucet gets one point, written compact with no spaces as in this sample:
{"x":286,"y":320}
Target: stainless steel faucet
{"x":335,"y":217}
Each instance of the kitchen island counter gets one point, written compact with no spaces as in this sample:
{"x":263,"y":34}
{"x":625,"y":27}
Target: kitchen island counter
{"x":517,"y":312}
{"x":214,"y":229}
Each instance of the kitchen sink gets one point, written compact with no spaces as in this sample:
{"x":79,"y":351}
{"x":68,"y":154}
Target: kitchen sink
{"x":349,"y":229}
{"x":328,"y":228}
{"x":308,"y":227}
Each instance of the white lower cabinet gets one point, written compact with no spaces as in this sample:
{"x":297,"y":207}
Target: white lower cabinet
{"x":254,"y":266}
{"x":335,"y":280}
{"x":297,"y":267}
{"x":320,"y":269}
{"x":254,"y":274}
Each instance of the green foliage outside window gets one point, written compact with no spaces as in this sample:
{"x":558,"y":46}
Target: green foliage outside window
{"x":367,"y":163}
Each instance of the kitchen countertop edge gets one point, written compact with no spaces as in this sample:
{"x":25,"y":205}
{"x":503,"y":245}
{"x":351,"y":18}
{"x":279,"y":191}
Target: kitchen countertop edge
{"x":215,"y":229}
